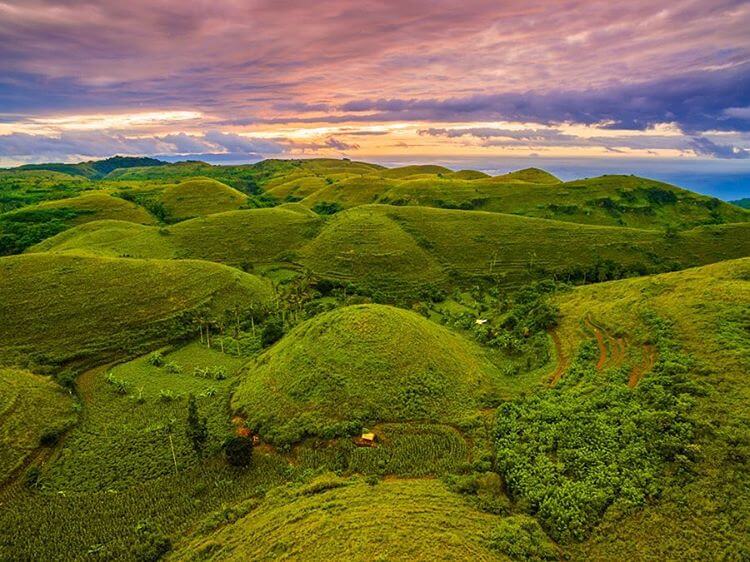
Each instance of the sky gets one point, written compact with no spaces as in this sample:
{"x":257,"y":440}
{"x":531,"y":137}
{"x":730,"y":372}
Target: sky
{"x":581,"y":88}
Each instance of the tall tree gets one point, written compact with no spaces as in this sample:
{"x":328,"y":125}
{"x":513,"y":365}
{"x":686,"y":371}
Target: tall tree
{"x":197,"y":428}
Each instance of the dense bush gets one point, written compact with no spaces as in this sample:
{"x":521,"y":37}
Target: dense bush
{"x":239,"y":451}
{"x":150,"y":545}
{"x":273,"y":330}
{"x":521,"y":538}
{"x":327,"y":207}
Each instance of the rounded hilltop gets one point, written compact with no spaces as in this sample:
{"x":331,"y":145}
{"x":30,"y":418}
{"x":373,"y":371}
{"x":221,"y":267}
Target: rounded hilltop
{"x":358,"y":365}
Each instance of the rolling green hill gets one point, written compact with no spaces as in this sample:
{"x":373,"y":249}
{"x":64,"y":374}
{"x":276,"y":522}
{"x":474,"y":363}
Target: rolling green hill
{"x":200,"y":197}
{"x":395,"y":520}
{"x":360,"y":365}
{"x":704,"y":311}
{"x":96,"y":168}
{"x":84,"y":308}
{"x":538,"y":387}
{"x":33,"y":411}
{"x":403,"y":250}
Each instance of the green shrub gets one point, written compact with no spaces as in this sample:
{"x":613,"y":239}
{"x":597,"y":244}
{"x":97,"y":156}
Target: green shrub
{"x":521,"y":538}
{"x":239,"y":451}
{"x":156,"y":359}
{"x":273,"y":330}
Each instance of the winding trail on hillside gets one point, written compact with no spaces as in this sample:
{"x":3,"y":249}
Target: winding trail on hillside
{"x":562,"y":360}
{"x":648,"y":362}
{"x":601,"y":344}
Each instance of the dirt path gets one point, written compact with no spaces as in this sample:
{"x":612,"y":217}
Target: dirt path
{"x":649,"y":359}
{"x":601,"y":344}
{"x":562,"y":361}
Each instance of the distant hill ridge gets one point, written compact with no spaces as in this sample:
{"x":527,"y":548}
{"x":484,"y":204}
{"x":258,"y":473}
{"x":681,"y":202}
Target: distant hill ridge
{"x":96,"y":169}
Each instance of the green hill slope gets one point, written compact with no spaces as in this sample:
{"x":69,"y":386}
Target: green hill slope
{"x":251,"y":236}
{"x":96,"y":168}
{"x":358,"y":365}
{"x":366,"y":246}
{"x":59,"y":308}
{"x":677,"y":342}
{"x":114,"y":239}
{"x":28,"y":225}
{"x":200,"y":197}
{"x":404,"y":250}
{"x":92,"y":207}
{"x":32,"y":409}
{"x":395,"y":520}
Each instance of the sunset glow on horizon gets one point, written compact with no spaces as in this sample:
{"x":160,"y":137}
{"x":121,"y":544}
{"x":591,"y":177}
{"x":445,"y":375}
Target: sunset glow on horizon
{"x":479,"y":81}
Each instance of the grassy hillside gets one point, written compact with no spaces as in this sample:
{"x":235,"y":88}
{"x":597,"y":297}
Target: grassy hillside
{"x":365,"y":246}
{"x":121,"y":441}
{"x":82,"y":308}
{"x":34,"y":411}
{"x":664,"y":353}
{"x":744,"y":203}
{"x":111,"y":238}
{"x":26,"y":226}
{"x":95,"y":168}
{"x":359,"y":365}
{"x":200,"y":197}
{"x":394,"y":520}
{"x":252,"y":236}
{"x":409,"y":250}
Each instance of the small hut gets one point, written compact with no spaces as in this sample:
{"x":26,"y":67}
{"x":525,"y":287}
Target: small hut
{"x":367,"y":439}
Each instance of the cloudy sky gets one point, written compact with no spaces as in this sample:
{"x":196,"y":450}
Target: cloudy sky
{"x":579,"y":87}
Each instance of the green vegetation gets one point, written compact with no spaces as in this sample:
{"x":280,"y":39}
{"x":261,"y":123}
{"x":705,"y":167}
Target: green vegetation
{"x":328,"y":359}
{"x":200,"y":197}
{"x":33,"y":411}
{"x":84,"y":309}
{"x":396,"y":520}
{"x":96,"y":168}
{"x":386,"y":364}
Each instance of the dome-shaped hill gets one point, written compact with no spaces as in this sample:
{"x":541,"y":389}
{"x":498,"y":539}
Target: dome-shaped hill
{"x":351,"y":191}
{"x":199,"y":197}
{"x":60,"y":308}
{"x":469,"y":175}
{"x":336,"y":519}
{"x":359,"y":365}
{"x":364,"y":246}
{"x":109,"y":238}
{"x":250,"y":235}
{"x":92,"y":207}
{"x":530,"y":175}
{"x":407,"y":171}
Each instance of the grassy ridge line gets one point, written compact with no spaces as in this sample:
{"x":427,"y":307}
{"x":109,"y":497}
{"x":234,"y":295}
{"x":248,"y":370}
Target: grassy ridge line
{"x":199,"y":197}
{"x":92,"y":207}
{"x":399,"y":249}
{"x":59,"y":308}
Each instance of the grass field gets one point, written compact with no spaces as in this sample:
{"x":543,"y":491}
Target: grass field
{"x":385,"y":363}
{"x":32,"y":409}
{"x":200,"y":197}
{"x":130,"y":409}
{"x":552,"y":377}
{"x":85,"y":309}
{"x":333,"y":518}
{"x":402,"y":250}
{"x":707,"y":309}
